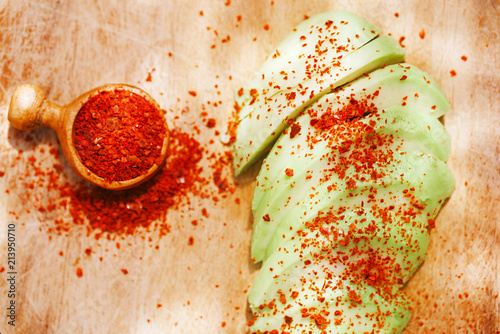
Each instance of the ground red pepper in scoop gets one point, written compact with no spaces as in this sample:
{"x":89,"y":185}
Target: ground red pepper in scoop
{"x":119,"y":134}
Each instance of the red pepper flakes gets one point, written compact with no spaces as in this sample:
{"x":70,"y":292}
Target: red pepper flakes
{"x":211,"y":123}
{"x":119,"y":134}
{"x":266,"y":217}
{"x":453,"y":73}
{"x":223,"y":324}
{"x":396,"y":14}
{"x":79,"y":272}
{"x":192,"y":93}
{"x":2,"y":269}
{"x":124,"y":211}
{"x":294,"y":130}
{"x":404,"y":77}
{"x":464,"y":58}
{"x":2,"y":173}
{"x":221,"y":183}
{"x":191,"y":241}
{"x":422,"y":34}
{"x":124,"y":271}
{"x":401,"y":39}
{"x":88,"y":251}
{"x":266,"y":27}
{"x":289,"y":172}
{"x":158,"y":305}
{"x":127,"y":211}
{"x":149,"y":78}
{"x":204,"y":212}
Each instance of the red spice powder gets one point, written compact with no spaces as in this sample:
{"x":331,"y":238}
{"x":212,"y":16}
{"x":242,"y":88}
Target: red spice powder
{"x":142,"y":209}
{"x":119,"y":135}
{"x":79,"y":272}
{"x":124,"y":211}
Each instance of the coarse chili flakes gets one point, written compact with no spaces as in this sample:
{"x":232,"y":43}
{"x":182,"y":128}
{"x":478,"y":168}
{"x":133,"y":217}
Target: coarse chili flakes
{"x":119,"y":135}
{"x":124,"y":211}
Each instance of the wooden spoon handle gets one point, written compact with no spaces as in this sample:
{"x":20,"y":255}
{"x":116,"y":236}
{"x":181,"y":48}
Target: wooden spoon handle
{"x":29,"y":109}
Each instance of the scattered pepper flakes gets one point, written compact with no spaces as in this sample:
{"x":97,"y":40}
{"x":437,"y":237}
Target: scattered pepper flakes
{"x":289,"y":172}
{"x":2,"y":270}
{"x":464,"y":58}
{"x":88,"y":251}
{"x":401,"y":39}
{"x":79,"y":272}
{"x":201,"y":13}
{"x":124,"y":271}
{"x":266,"y":217}
{"x":2,"y":173}
{"x":422,"y":34}
{"x":192,"y":93}
{"x":158,"y":305}
{"x":396,"y":14}
{"x":223,"y":324}
{"x":211,"y":123}
{"x":266,"y":27}
{"x":204,"y":212}
{"x":294,"y":130}
{"x":191,"y":241}
{"x":453,"y":73}
{"x":149,"y":78}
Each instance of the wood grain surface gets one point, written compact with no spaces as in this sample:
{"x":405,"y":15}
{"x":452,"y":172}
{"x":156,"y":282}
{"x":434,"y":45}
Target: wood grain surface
{"x":213,"y":47}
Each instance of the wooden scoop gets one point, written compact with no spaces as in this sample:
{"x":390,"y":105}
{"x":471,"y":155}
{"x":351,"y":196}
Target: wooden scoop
{"x":30,"y":109}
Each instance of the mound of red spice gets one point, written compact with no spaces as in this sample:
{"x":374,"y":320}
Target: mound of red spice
{"x":124,"y":211}
{"x":119,"y":134}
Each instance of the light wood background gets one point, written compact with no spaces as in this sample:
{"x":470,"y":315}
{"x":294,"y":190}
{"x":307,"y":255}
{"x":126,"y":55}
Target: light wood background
{"x":69,"y":47}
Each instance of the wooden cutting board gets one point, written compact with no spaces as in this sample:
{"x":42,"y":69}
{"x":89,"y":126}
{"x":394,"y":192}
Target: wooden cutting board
{"x":211,"y":48}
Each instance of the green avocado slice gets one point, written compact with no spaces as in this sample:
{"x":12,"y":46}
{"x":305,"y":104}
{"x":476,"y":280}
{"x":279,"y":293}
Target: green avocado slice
{"x":310,"y":288}
{"x":403,"y":130}
{"x":327,"y":37}
{"x":360,"y":244}
{"x":419,"y":182}
{"x":383,"y":88}
{"x":270,"y":111}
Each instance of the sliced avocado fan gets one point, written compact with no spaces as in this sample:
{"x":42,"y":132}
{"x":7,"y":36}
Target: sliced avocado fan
{"x":322,"y":53}
{"x":355,"y":176}
{"x":410,"y":120}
